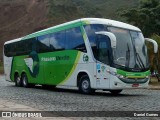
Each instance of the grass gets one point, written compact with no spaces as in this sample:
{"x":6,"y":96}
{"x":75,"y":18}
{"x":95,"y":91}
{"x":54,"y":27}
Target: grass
{"x":154,"y":81}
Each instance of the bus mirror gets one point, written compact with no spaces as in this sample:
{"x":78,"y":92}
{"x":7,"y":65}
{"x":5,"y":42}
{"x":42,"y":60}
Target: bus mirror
{"x":111,"y":36}
{"x":154,"y":44}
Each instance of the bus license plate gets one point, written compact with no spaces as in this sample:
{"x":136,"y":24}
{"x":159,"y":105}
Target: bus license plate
{"x":135,"y":85}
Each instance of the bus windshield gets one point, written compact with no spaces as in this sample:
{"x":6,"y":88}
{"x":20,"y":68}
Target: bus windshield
{"x":130,"y":51}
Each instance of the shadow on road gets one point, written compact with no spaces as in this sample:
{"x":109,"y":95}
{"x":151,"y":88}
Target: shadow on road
{"x":74,"y":91}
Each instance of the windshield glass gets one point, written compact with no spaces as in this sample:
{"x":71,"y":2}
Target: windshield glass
{"x":130,"y":51}
{"x":140,"y":50}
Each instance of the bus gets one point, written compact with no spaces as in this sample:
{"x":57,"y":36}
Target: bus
{"x":89,"y":54}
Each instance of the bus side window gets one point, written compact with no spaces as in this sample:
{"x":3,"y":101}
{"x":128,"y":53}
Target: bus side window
{"x":19,"y":48}
{"x":75,"y":40}
{"x":30,"y":45}
{"x":42,"y":44}
{"x":57,"y":41}
{"x":13,"y":49}
{"x":90,"y":31}
{"x":6,"y":50}
{"x":103,"y":49}
{"x":9,"y":50}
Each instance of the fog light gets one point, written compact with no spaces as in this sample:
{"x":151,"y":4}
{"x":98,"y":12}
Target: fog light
{"x":121,"y":76}
{"x":116,"y":84}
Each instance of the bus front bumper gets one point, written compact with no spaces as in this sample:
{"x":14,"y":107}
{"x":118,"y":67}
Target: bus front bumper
{"x":117,"y":83}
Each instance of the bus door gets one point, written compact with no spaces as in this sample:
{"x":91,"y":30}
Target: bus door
{"x":102,"y":64}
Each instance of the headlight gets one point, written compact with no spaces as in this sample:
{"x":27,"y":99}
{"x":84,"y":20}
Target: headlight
{"x":117,"y":75}
{"x":121,"y":76}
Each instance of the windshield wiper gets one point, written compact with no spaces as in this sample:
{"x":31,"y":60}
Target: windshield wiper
{"x":127,"y":56}
{"x":138,"y":58}
{"x":140,"y":61}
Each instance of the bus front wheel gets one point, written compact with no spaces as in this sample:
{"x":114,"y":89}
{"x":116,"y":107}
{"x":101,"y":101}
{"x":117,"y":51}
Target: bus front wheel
{"x":18,"y":81}
{"x":84,"y":85}
{"x":25,"y":80}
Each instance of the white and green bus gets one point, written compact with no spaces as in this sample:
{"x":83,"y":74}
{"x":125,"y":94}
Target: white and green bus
{"x":90,"y":54}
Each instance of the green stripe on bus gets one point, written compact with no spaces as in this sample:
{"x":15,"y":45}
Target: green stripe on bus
{"x":133,"y":74}
{"x":73,"y":68}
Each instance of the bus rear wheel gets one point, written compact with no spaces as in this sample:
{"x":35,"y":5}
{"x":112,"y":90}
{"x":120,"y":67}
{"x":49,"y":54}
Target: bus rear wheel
{"x":25,"y":80}
{"x":84,"y":85}
{"x":18,"y":81}
{"x":115,"y":92}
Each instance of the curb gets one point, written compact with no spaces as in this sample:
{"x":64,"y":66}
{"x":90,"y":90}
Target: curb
{"x":151,"y":87}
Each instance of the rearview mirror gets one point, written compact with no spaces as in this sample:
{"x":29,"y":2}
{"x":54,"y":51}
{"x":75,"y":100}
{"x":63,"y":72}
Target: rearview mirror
{"x":111,"y":36}
{"x":154,"y":44}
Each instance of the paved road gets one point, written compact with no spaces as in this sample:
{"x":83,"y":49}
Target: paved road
{"x":71,"y":100}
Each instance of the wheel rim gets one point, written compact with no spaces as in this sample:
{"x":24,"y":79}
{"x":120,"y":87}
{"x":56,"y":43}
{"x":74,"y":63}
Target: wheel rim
{"x":24,"y":81}
{"x":85,"y":84}
{"x":18,"y":79}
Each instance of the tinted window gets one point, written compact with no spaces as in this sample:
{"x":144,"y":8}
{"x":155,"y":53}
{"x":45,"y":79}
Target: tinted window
{"x":20,"y":48}
{"x":9,"y":49}
{"x":43,"y":44}
{"x":31,"y":44}
{"x":103,"y":43}
{"x":57,"y":41}
{"x":90,"y":30}
{"x":75,"y":39}
{"x":23,"y":47}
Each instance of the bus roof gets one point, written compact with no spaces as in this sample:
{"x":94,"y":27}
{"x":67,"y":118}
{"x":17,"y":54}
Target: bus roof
{"x":78,"y":22}
{"x":110,"y":23}
{"x":14,"y":40}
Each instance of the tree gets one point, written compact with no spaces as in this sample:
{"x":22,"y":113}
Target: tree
{"x":146,"y":16}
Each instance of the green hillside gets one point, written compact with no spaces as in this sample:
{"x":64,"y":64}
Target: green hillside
{"x":19,"y":18}
{"x":65,"y":10}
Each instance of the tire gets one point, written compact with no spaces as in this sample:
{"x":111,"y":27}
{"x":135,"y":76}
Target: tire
{"x":25,"y":80}
{"x":84,"y":85}
{"x":115,"y":92}
{"x":18,"y":81}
